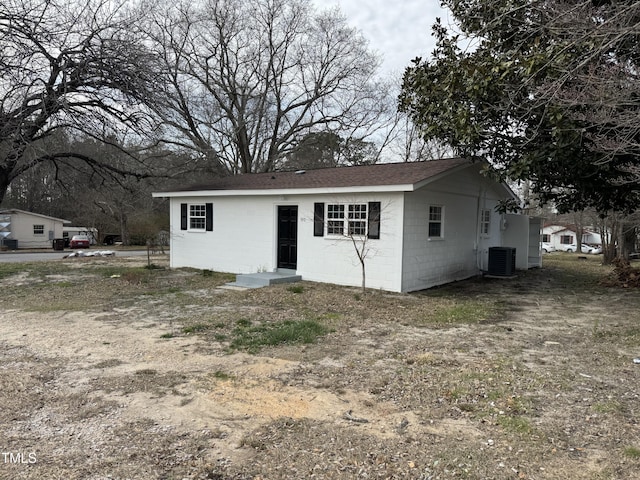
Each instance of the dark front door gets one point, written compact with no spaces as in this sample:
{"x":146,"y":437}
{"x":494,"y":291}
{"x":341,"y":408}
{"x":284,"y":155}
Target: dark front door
{"x":287,"y":236}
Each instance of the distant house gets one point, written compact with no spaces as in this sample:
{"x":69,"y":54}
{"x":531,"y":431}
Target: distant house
{"x":561,"y":235}
{"x":424,"y":223}
{"x":22,"y":229}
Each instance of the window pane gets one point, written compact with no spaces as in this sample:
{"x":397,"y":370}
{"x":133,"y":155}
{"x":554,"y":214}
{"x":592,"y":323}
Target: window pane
{"x":197,"y":223}
{"x":335,"y":219}
{"x":335,"y":211}
{"x":435,"y":214}
{"x":358,"y":227}
{"x":197,"y":216}
{"x":357,"y":219}
{"x":434,"y":229}
{"x":335,"y":227}
{"x":485,"y":221}
{"x":435,"y":221}
{"x":357,"y":212}
{"x":197,"y":210}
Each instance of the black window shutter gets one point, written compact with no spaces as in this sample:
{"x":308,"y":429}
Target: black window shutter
{"x":183,"y":216}
{"x":318,"y":219}
{"x":374,"y":220}
{"x":209,"y":217}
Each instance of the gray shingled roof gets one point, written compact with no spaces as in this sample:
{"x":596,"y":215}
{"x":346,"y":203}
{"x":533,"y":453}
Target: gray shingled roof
{"x":382,"y":174}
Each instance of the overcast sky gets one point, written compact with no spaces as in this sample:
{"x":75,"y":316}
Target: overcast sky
{"x":399,"y":30}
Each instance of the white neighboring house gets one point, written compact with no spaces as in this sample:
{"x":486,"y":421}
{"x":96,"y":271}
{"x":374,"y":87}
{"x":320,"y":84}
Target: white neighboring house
{"x":425,"y":223}
{"x":563,"y":236}
{"x":591,"y":237}
{"x":28,"y":229}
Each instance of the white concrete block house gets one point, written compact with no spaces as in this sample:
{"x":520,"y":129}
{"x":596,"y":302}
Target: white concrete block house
{"x":427,"y":223}
{"x":560,"y":235}
{"x":29,"y":229}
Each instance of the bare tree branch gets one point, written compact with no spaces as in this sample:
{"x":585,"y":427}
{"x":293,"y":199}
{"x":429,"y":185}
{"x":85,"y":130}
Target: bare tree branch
{"x":77,"y":66}
{"x":249,"y":79}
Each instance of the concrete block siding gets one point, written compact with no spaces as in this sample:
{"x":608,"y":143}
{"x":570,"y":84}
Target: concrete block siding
{"x":245,"y":225}
{"x":243,"y":240}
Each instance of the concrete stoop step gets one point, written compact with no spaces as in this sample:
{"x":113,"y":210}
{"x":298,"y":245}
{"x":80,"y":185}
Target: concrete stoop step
{"x":263,"y":279}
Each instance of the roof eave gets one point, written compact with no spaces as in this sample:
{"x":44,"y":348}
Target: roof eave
{"x":286,"y":191}
{"x":17,"y":210}
{"x":441,"y":175}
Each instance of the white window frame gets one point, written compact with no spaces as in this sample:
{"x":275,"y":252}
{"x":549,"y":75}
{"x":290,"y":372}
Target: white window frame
{"x":347,"y":219}
{"x":38,"y":233}
{"x":196,"y":214}
{"x":335,"y":219}
{"x":485,"y":222}
{"x":357,"y":219}
{"x":435,"y":220}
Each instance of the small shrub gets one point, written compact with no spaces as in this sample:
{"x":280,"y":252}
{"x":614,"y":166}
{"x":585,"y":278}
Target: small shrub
{"x":515,"y":424}
{"x":220,"y":375}
{"x":296,"y":289}
{"x":243,"y":323}
{"x":167,"y":335}
{"x":196,"y":328}
{"x":288,"y":332}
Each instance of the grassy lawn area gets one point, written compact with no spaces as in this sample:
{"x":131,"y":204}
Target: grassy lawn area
{"x":159,"y":373}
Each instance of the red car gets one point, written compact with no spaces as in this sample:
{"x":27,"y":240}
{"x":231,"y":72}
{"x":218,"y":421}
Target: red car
{"x":79,"y":241}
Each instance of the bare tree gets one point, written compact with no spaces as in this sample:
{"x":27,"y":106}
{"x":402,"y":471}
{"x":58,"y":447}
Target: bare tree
{"x":356,"y":220}
{"x":409,"y":146}
{"x":250,"y":78}
{"x":73,"y":66}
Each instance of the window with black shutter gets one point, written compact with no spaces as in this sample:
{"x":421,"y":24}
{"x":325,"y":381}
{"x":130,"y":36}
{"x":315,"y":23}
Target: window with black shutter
{"x":318,"y":219}
{"x":209,"y":217}
{"x":374,"y":220}
{"x":196,"y":217}
{"x":184,"y":216}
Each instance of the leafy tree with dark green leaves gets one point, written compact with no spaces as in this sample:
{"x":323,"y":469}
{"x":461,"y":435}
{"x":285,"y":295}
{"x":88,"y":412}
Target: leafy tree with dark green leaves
{"x":327,"y":149}
{"x":547,"y":90}
{"x":315,"y":150}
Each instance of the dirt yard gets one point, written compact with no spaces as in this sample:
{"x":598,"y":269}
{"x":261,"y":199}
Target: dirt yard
{"x":109,"y":370}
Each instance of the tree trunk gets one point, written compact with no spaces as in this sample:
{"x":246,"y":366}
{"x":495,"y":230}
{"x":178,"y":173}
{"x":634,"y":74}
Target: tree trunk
{"x":4,"y":184}
{"x":579,"y":231}
{"x":627,"y":242}
{"x":124,"y":229}
{"x":607,"y":234}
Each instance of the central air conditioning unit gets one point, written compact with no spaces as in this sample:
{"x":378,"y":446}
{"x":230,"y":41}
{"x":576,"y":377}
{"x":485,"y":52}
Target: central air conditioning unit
{"x":502,"y":261}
